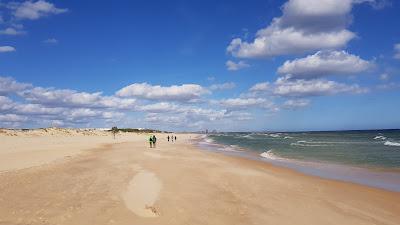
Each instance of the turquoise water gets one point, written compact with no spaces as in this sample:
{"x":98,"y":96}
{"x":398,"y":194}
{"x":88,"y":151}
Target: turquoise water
{"x":365,"y":157}
{"x":371,"y":149}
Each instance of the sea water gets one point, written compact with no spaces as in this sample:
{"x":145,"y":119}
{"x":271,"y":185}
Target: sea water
{"x":369,"y":157}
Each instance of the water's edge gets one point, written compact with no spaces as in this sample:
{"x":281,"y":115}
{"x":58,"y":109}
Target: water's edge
{"x":387,"y":180}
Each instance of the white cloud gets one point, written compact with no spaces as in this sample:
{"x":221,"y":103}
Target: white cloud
{"x":159,"y":107}
{"x":388,"y":86}
{"x":305,"y":26}
{"x":185,"y":92}
{"x":34,"y":10}
{"x":7,"y":49}
{"x":72,"y":98}
{"x":224,"y":86}
{"x":11,"y":31}
{"x":325,"y":63}
{"x":5,"y":104}
{"x":163,"y":119}
{"x":12,"y":118}
{"x":273,"y":42}
{"x":397,"y":51}
{"x":284,"y":86}
{"x":37,"y":109}
{"x":51,"y":41}
{"x":232,"y":66}
{"x":8,"y":85}
{"x":296,"y":103}
{"x":264,"y":86}
{"x":384,"y":76}
{"x":245,"y":103}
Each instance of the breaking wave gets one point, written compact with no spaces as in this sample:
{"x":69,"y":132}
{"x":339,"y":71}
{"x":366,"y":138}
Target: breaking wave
{"x":269,"y":155}
{"x":392,"y":143}
{"x":380,"y":137}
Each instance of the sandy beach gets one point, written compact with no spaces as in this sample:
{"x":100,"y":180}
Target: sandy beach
{"x":87,"y":177}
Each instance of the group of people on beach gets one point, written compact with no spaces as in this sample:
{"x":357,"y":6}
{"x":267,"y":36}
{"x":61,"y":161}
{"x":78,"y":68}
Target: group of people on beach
{"x":172,"y":138}
{"x":153,"y":140}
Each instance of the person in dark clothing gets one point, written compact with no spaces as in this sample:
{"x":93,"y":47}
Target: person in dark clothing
{"x":168,"y":138}
{"x":151,"y":141}
{"x":154,"y":141}
{"x":175,"y":138}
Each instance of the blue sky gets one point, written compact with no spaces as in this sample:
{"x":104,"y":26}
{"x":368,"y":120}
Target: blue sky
{"x":194,"y":65}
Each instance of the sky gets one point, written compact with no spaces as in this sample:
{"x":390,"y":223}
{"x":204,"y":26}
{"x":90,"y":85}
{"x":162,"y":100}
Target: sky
{"x":193,"y":65}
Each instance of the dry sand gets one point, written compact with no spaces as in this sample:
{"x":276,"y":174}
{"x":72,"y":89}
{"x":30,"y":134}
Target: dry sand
{"x":123,"y":181}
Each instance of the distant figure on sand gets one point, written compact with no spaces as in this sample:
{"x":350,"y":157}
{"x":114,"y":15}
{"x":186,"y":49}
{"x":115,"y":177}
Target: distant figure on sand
{"x":151,"y":141}
{"x":172,"y":138}
{"x":168,"y":138}
{"x":175,"y":138}
{"x":154,"y":141}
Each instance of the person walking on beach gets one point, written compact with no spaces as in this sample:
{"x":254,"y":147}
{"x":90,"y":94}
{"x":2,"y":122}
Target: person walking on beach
{"x":168,"y":138}
{"x":151,"y":141}
{"x":175,"y":137}
{"x":154,"y":141}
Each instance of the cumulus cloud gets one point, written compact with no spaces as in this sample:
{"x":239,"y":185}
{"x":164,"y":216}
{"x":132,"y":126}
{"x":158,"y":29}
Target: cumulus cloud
{"x":296,"y":103}
{"x":11,"y":31}
{"x":397,"y":51}
{"x":159,"y":107}
{"x":5,"y":104}
{"x":264,"y":86}
{"x":232,"y":66}
{"x":72,"y":98}
{"x":8,"y":85}
{"x":245,"y":103}
{"x":325,"y":63}
{"x":197,"y":118}
{"x":37,"y":109}
{"x":34,"y":10}
{"x":223,"y":86}
{"x":7,"y":49}
{"x":11,"y":118}
{"x":284,"y":86}
{"x":305,"y":26}
{"x":185,"y":92}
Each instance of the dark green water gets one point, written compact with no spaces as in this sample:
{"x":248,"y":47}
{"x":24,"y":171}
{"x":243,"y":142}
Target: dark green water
{"x":371,"y":149}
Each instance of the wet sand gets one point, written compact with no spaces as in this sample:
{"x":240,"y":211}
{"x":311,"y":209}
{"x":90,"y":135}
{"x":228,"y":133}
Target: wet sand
{"x":126,"y":182}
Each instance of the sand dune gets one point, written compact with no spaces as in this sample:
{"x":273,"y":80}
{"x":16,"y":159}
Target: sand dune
{"x":23,"y":149}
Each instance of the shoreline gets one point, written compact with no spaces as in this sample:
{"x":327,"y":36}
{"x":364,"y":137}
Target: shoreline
{"x":382,"y":178}
{"x":130,"y":183}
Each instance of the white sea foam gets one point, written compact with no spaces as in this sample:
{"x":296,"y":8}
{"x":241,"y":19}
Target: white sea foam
{"x":269,"y":155}
{"x":230,"y":148}
{"x":380,"y":138}
{"x":392,"y":143}
{"x":208,"y":140}
{"x":248,"y":136}
{"x":326,"y":143}
{"x":308,"y":145}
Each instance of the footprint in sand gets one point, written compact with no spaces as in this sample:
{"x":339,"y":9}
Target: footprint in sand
{"x":142,"y":193}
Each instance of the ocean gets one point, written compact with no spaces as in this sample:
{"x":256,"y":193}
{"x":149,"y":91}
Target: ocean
{"x":370,"y":157}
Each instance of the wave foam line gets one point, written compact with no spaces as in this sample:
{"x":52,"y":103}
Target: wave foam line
{"x":392,"y":143}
